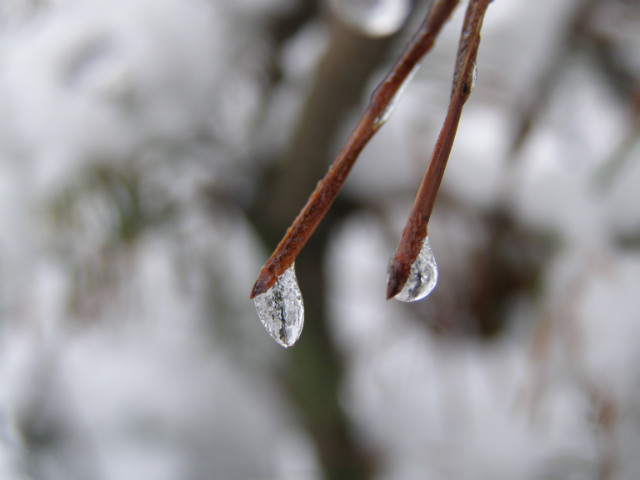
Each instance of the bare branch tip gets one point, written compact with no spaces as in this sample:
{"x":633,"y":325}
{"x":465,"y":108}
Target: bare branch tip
{"x":396,"y":281}
{"x":259,"y":287}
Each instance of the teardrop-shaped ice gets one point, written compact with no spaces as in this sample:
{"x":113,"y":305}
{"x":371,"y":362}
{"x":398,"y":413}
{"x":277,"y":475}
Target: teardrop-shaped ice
{"x":474,"y":78}
{"x":281,"y":310}
{"x":423,"y":276}
{"x":374,"y":18}
{"x":386,"y":113}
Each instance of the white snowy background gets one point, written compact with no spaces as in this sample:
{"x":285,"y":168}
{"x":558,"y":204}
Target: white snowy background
{"x":132,"y":135}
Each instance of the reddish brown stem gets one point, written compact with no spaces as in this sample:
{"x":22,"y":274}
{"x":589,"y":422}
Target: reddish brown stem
{"x":327,"y":189}
{"x":415,"y":230}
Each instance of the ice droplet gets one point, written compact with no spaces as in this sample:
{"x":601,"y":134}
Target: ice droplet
{"x":423,"y":276}
{"x":474,"y":77}
{"x":281,"y":310}
{"x":386,"y":113}
{"x":374,"y":18}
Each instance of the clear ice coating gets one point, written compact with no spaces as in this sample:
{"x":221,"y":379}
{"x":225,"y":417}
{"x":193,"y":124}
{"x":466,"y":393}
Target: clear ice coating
{"x":423,"y":276}
{"x":281,"y":310}
{"x":386,"y":113}
{"x":374,"y":18}
{"x":474,"y":78}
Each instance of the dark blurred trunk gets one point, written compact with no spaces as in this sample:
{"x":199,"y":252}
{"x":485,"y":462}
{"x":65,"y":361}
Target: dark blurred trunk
{"x":315,"y":369}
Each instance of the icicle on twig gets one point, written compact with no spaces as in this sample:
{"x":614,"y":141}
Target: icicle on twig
{"x":414,"y":235}
{"x":278,"y":300}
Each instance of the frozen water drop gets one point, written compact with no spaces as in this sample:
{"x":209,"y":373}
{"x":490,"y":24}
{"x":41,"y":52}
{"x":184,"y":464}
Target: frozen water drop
{"x":386,"y":113}
{"x":374,"y":18}
{"x":474,"y":77}
{"x":281,"y":310}
{"x":423,"y":276}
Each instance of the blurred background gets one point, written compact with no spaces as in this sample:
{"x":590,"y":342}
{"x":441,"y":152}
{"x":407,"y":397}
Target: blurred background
{"x":153,"y":153}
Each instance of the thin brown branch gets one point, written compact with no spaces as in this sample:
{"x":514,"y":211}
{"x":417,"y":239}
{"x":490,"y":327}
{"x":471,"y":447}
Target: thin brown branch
{"x":327,"y":189}
{"x":416,"y":228}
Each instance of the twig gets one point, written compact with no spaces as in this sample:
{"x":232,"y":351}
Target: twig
{"x":327,"y":189}
{"x":416,"y":228}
